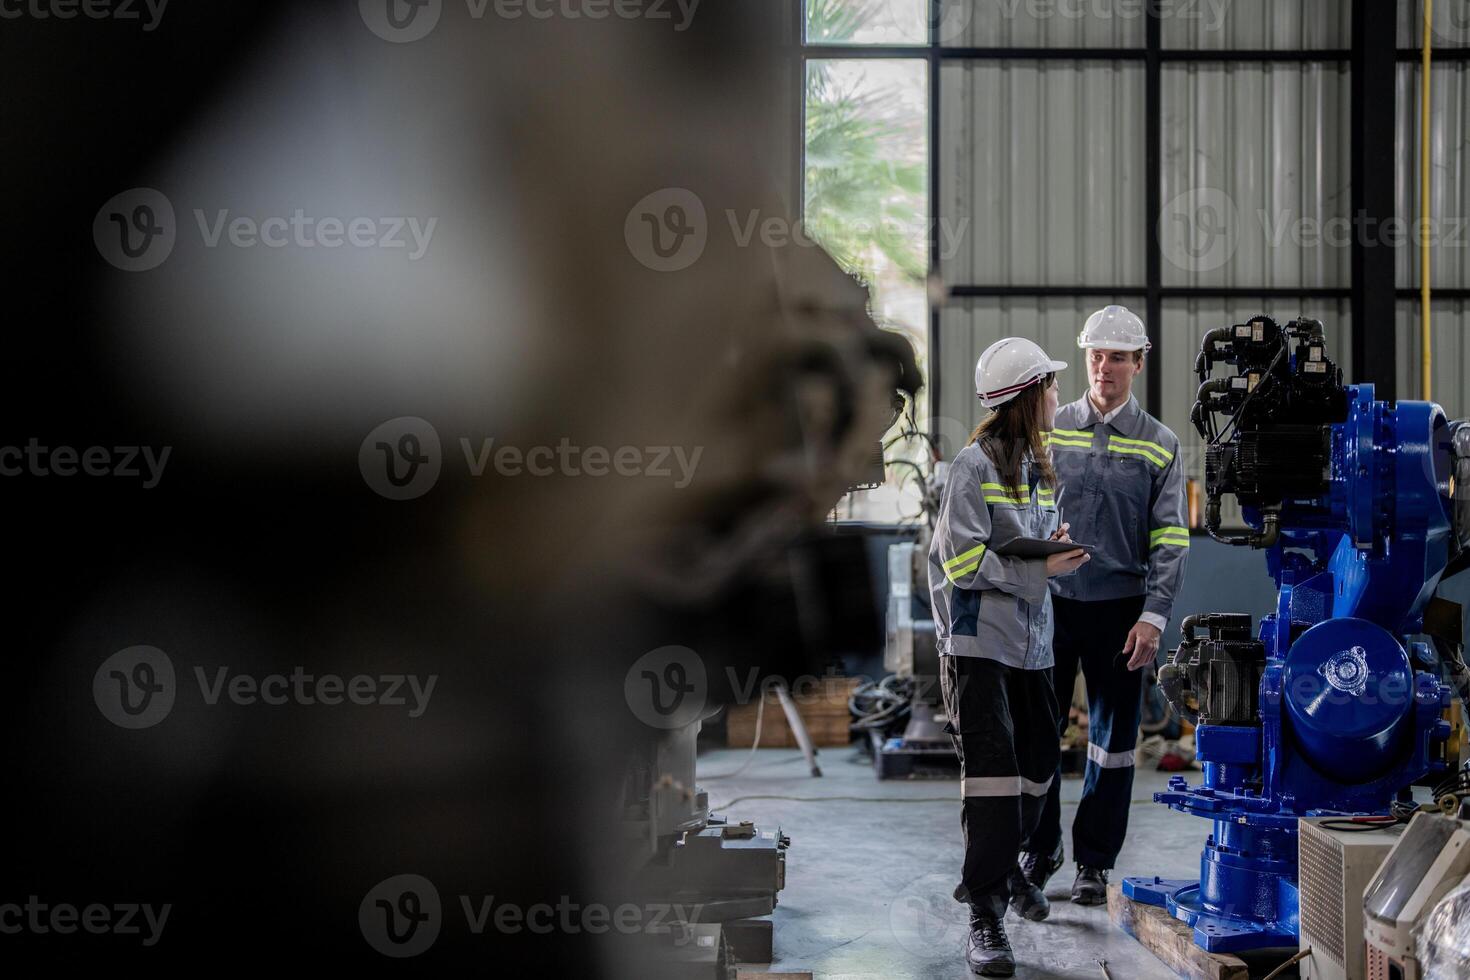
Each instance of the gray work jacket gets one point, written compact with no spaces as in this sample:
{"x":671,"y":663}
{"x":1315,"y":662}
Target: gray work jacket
{"x":986,"y":603}
{"x":1122,"y":489}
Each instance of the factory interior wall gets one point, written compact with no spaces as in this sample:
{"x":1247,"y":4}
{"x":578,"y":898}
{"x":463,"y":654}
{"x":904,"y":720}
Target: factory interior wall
{"x":1042,"y":165}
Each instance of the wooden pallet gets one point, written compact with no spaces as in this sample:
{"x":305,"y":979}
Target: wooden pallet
{"x":823,"y":708}
{"x":1171,"y":940}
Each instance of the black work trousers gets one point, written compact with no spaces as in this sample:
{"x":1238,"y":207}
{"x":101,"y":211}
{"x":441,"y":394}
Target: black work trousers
{"x":1004,"y":724}
{"x":1092,"y":634}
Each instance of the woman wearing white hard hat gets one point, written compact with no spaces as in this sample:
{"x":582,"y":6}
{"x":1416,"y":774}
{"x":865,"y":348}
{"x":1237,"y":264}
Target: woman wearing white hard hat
{"x":992,"y":618}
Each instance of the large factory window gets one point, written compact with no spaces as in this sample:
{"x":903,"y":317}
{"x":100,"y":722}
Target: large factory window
{"x":865,"y":196}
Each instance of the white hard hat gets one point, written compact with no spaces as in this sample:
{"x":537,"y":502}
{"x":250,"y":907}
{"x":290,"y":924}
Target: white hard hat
{"x":1114,"y":328}
{"x":1007,"y":367}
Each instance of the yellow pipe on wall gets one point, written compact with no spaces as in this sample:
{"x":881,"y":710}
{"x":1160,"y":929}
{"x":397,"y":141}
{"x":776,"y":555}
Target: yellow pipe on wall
{"x":1425,"y":350}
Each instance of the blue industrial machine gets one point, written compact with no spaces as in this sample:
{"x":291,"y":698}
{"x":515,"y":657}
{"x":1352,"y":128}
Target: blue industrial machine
{"x":1336,"y":705}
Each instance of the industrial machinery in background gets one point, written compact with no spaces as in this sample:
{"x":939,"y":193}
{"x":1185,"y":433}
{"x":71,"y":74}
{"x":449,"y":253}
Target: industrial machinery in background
{"x":1417,"y":906}
{"x":903,"y":717}
{"x":1336,"y":863}
{"x":1336,"y":705}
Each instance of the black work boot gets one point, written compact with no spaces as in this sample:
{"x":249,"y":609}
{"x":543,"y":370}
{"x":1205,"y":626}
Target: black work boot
{"x":988,"y":951}
{"x":1038,"y":868}
{"x":1028,"y":900}
{"x":1091,"y":886}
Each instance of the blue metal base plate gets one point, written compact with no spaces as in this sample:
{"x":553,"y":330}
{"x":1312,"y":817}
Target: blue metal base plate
{"x":1213,"y":932}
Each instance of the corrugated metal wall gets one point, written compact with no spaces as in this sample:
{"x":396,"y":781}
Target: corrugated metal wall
{"x":1045,"y":163}
{"x":1212,"y":24}
{"x":1449,"y":171}
{"x":1251,"y":25}
{"x":1449,"y":319}
{"x":1255,"y":165}
{"x":1450,"y":19}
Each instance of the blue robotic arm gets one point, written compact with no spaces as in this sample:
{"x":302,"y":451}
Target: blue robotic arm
{"x":1334,"y":707}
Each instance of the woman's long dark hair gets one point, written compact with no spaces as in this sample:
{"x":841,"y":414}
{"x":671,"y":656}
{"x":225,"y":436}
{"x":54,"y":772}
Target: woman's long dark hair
{"x":1012,"y":431}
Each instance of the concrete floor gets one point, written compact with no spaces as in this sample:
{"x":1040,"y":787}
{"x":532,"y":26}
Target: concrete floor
{"x":872,"y":866}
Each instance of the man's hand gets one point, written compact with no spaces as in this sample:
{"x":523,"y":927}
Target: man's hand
{"x":1142,"y":645}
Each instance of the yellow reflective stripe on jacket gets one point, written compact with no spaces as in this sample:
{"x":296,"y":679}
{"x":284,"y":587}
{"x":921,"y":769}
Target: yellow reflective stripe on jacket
{"x":961,"y":565}
{"x":1169,"y":535}
{"x":1152,"y":447}
{"x":1147,"y":454}
{"x":960,"y":573}
{"x":996,"y":493}
{"x":1067,"y":437}
{"x":974,"y":553}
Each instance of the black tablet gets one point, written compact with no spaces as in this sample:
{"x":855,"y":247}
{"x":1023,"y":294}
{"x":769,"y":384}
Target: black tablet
{"x":1040,"y":547}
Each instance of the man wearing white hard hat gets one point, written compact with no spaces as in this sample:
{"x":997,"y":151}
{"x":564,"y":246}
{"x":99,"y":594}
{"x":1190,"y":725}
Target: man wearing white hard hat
{"x":1122,"y":490}
{"x":993,"y":624}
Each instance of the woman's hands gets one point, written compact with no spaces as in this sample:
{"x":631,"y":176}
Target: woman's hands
{"x":1067,"y":561}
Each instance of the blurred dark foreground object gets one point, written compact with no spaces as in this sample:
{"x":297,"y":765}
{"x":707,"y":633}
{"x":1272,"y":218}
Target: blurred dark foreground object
{"x":321,"y":834}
